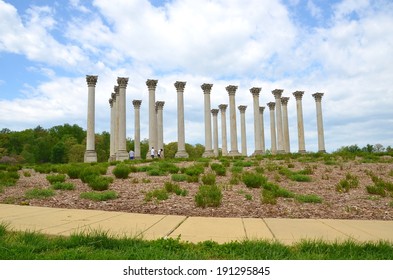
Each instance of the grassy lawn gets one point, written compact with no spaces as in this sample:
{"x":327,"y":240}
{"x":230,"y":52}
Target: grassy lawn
{"x":101,"y":246}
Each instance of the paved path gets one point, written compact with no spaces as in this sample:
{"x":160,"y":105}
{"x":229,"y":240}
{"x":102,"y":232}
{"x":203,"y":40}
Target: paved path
{"x":60,"y":221}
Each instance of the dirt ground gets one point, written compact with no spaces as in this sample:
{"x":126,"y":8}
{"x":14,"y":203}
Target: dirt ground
{"x":238,"y":200}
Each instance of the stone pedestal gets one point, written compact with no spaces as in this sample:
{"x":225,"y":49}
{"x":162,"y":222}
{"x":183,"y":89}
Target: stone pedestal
{"x":257,"y":126}
{"x":208,"y":122}
{"x":112,"y":155}
{"x":242,"y":110}
{"x":232,"y":120}
{"x":137,"y":125}
{"x":300,"y":126}
{"x":181,"y":145}
{"x":261,"y":110}
{"x":273,"y":148}
{"x":215,"y":131}
{"x":160,"y":128}
{"x":224,"y":148}
{"x":321,"y":138}
{"x":151,"y":85}
{"x":122,"y":153}
{"x":90,"y":154}
{"x":284,"y":103}
{"x":280,"y":136}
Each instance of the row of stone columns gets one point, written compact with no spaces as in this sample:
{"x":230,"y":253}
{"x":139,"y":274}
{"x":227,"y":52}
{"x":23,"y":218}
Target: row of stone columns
{"x":279,"y":128}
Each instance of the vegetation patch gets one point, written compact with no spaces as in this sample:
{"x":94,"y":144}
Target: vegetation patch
{"x":179,"y":177}
{"x":158,"y":194}
{"x":208,"y":196}
{"x":8,"y":178}
{"x":350,"y":182}
{"x":253,"y":180}
{"x":39,"y":193}
{"x":63,"y":186}
{"x":209,"y":179}
{"x":308,"y":198}
{"x":55,"y":178}
{"x":175,"y":188}
{"x":99,"y":183}
{"x":99,"y":196}
{"x":219,"y":169}
{"x":121,"y":171}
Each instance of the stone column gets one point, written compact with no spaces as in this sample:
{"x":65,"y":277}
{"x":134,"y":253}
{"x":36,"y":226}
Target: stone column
{"x":116,"y":107}
{"x":257,"y":126}
{"x":137,"y":125}
{"x":90,"y":153}
{"x":224,"y":148}
{"x":215,"y":131}
{"x":261,"y":109}
{"x":151,"y":85}
{"x":160,"y":128}
{"x":208,"y":122}
{"x":280,"y":139}
{"x":122,"y":153}
{"x":181,"y":142}
{"x":242,"y":110}
{"x":321,"y":138}
{"x":300,"y":126}
{"x":284,"y":103}
{"x":232,"y":120}
{"x":112,"y":155}
{"x":271,"y":106}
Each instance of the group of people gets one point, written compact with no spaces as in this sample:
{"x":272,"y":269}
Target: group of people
{"x":152,"y":153}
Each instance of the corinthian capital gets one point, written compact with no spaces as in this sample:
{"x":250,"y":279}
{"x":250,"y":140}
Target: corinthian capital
{"x":137,"y":103}
{"x":261,"y":109}
{"x":284,"y":100}
{"x":242,"y":108}
{"x":223,"y":107}
{"x":277,"y":93}
{"x":271,"y":105}
{"x":206,"y":88}
{"x":180,"y":86}
{"x":151,"y":84}
{"x":255,"y":91}
{"x":298,"y":94}
{"x":113,"y":95}
{"x":160,"y":105}
{"x":318,"y":96}
{"x":110,"y":102}
{"x":231,"y":89}
{"x":122,"y":82}
{"x":214,"y":112}
{"x":91,"y":80}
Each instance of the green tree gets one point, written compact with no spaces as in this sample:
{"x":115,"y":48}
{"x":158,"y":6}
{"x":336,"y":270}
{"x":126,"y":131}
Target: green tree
{"x":59,"y":153}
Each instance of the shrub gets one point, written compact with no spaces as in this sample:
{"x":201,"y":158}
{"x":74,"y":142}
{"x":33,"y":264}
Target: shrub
{"x":63,"y":186}
{"x":168,"y":167}
{"x":179,"y":177}
{"x":121,"y":171}
{"x":300,"y":178}
{"x":74,"y":171}
{"x":158,"y":194}
{"x":99,"y":196}
{"x":209,"y":179}
{"x":43,"y":169}
{"x":235,"y":179}
{"x":56,"y":178}
{"x":253,"y":180}
{"x":88,"y":173}
{"x":268,"y":197}
{"x":373,"y":189}
{"x":8,"y":178}
{"x":26,"y":174}
{"x":194,"y":170}
{"x":308,"y":198}
{"x":156,"y":172}
{"x":208,"y":196}
{"x":100,"y":183}
{"x":174,"y":188}
{"x":248,"y":196}
{"x":237,"y":169}
{"x":39,"y":193}
{"x":193,"y":179}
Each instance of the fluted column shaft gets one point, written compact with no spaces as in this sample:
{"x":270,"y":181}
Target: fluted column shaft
{"x":181,"y":142}
{"x":208,"y":122}
{"x":90,"y":153}
{"x":257,"y":126}
{"x":280,"y":139}
{"x":271,"y":106}
{"x":137,"y":125}
{"x":112,"y":155}
{"x":215,"y":131}
{"x":224,"y":148}
{"x":116,"y":108}
{"x":261,"y":109}
{"x":284,"y":103}
{"x":122,"y":153}
{"x":300,"y":125}
{"x":321,"y":138}
{"x":232,"y":119}
{"x":242,"y":110}
{"x":160,"y":128}
{"x":152,"y":84}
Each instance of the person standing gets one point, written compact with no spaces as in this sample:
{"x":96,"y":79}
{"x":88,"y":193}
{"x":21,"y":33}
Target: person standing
{"x":132,"y":154}
{"x":152,"y":152}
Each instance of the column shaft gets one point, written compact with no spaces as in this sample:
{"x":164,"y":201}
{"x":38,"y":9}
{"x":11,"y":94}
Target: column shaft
{"x":242,"y":110}
{"x":300,"y":126}
{"x":90,"y":153}
{"x":160,"y":127}
{"x":112,"y":156}
{"x":232,"y":120}
{"x":261,"y":109}
{"x":152,"y":84}
{"x":137,"y":125}
{"x":284,"y":103}
{"x":224,"y":148}
{"x":208,"y":122}
{"x":116,"y":107}
{"x":122,"y":153}
{"x":321,"y":138}
{"x":280,"y":139}
{"x":257,"y":126}
{"x":215,"y":131}
{"x":272,"y":128}
{"x":181,"y":145}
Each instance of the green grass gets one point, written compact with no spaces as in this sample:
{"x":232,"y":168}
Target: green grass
{"x":208,"y":196}
{"x":179,"y":177}
{"x":253,"y":180}
{"x":100,"y":183}
{"x":55,"y":178}
{"x":158,"y":194}
{"x":39,"y":193}
{"x":350,"y":182}
{"x":175,"y":188}
{"x":308,"y":198}
{"x":99,"y":196}
{"x":63,"y":186}
{"x":121,"y":171}
{"x":8,"y":178}
{"x":209,"y":179}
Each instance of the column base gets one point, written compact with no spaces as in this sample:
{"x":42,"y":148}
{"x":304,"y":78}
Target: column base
{"x":302,"y":152}
{"x":181,"y":154}
{"x":90,"y":156}
{"x":208,"y":154}
{"x":112,"y":158}
{"x":224,"y":153}
{"x":280,"y":152}
{"x":322,"y":151}
{"x":122,"y":155}
{"x":234,"y":153}
{"x":257,"y":152}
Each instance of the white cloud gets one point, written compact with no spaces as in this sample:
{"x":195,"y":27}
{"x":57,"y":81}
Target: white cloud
{"x":314,"y":10}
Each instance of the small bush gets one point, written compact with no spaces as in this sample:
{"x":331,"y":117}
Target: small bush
{"x":253,"y":180}
{"x":8,"y":179}
{"x":179,"y":177}
{"x":248,"y":196}
{"x":268,"y":197}
{"x":99,"y":196}
{"x":100,"y":183}
{"x":26,"y":174}
{"x":121,"y":171}
{"x":193,"y":179}
{"x":39,"y":193}
{"x":194,"y":170}
{"x":63,"y":186}
{"x":208,"y":196}
{"x":373,"y":189}
{"x":156,"y":172}
{"x":56,"y":178}
{"x":300,"y":178}
{"x":237,"y":169}
{"x":158,"y":194}
{"x":308,"y":198}
{"x":235,"y":179}
{"x":174,"y":188}
{"x":74,"y":171}
{"x":168,"y":167}
{"x":88,"y":173}
{"x":209,"y":179}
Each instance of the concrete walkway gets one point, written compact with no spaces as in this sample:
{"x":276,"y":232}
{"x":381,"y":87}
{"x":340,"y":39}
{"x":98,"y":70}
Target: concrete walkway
{"x":58,"y":221}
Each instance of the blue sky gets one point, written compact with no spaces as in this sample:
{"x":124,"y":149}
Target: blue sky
{"x":342,"y":48}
